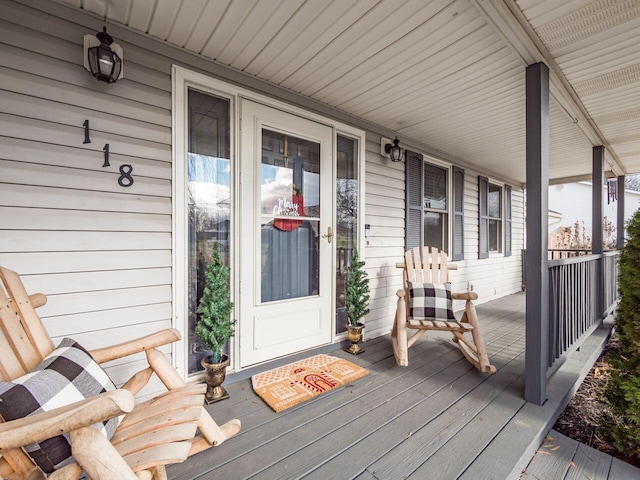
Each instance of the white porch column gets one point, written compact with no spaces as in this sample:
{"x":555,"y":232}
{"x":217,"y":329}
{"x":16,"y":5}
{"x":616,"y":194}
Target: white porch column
{"x":536,"y":263}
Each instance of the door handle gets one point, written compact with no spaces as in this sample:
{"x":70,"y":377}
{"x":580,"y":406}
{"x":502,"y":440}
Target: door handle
{"x":328,"y":235}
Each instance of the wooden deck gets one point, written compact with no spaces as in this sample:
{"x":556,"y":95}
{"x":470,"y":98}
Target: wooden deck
{"x":438,"y":418}
{"x":560,"y":457}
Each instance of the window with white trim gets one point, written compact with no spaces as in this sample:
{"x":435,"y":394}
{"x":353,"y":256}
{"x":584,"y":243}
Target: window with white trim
{"x":494,"y":205}
{"x":494,"y":218}
{"x":434,"y":205}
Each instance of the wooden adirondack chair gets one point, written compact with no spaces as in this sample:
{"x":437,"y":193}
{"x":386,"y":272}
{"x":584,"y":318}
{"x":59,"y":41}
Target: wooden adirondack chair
{"x":152,"y":434}
{"x":428,"y":265}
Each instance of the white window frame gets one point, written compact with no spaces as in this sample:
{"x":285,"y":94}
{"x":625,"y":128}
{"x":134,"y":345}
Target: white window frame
{"x":501,"y":185}
{"x":182,"y":81}
{"x":449,"y":168}
{"x":359,"y":136}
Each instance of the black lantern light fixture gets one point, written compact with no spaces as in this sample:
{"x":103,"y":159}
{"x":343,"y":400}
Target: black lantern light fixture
{"x":393,"y":151}
{"x":103,"y":58}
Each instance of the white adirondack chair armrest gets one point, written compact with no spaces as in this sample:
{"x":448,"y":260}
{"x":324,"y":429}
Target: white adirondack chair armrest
{"x":450,"y":266}
{"x":163,"y":337}
{"x":464,"y":296}
{"x":38,"y":427}
{"x":37,"y":299}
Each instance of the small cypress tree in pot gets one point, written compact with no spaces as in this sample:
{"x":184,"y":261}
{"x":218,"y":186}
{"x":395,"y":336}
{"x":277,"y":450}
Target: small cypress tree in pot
{"x":623,"y":386}
{"x":356,"y":301}
{"x":215,"y":327}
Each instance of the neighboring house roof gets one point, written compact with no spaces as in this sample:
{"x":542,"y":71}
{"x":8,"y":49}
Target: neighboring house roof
{"x":632,"y":182}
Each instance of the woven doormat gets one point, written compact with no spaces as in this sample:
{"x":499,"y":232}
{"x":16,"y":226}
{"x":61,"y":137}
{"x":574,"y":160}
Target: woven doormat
{"x":297,"y":382}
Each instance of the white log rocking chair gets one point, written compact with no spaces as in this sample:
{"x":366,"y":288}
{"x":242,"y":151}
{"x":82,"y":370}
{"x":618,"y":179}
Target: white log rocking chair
{"x":151,"y":435}
{"x":429,"y":266}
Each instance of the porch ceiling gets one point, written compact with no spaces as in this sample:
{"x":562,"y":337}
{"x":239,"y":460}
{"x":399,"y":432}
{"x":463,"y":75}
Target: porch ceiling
{"x":446,"y":73}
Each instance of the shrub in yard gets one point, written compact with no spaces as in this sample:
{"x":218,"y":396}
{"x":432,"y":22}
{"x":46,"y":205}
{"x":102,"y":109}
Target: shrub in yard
{"x":623,"y":388}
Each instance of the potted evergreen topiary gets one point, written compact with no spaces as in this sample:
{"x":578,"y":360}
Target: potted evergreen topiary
{"x":356,"y":301}
{"x":215,"y":327}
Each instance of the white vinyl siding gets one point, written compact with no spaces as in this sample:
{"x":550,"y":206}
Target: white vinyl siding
{"x":384,"y":212}
{"x":103,"y":253}
{"x":497,"y":276}
{"x":100,"y":252}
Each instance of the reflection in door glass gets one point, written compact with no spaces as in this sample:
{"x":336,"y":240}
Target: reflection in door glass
{"x":346,"y":220}
{"x":209,"y":198}
{"x":290,"y":209}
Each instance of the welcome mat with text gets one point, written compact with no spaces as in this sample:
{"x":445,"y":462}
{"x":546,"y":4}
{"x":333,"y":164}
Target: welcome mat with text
{"x":289,"y":385}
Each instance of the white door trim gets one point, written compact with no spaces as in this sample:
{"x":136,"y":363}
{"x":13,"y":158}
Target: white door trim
{"x":182,"y":78}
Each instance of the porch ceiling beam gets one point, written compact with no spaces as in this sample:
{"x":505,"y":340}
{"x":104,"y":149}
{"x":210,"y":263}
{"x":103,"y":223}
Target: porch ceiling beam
{"x":572,"y":179}
{"x":587,"y":177}
{"x":508,"y":21}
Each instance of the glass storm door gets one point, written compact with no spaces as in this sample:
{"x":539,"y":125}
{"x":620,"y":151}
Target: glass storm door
{"x":286,"y":234}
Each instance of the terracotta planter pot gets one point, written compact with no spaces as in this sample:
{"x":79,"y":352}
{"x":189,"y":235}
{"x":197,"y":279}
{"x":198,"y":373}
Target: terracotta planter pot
{"x":355,"y":336}
{"x":215,"y":375}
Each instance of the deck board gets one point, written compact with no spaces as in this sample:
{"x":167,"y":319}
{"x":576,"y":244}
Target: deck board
{"x":560,"y":457}
{"x":553,"y":458}
{"x":436,"y":418}
{"x":472,"y":438}
{"x":623,"y":471}
{"x":589,"y":463}
{"x":470,"y":395}
{"x":509,"y":453}
{"x":365,"y":476}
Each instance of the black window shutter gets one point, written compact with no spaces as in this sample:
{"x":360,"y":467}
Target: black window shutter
{"x":483,"y":217}
{"x":507,"y":220}
{"x":457,"y":239}
{"x":413,"y":198}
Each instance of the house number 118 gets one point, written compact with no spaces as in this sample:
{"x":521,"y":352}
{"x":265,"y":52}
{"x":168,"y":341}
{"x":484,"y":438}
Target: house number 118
{"x":125,"y":179}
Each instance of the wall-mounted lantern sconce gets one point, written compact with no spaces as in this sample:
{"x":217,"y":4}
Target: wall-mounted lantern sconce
{"x":394,"y":152}
{"x":102,"y":57}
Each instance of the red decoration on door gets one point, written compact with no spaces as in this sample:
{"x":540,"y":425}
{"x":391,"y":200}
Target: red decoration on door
{"x":286,"y":224}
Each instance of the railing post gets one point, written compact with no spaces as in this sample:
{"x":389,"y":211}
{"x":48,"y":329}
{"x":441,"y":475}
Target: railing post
{"x":620,"y":229}
{"x":536,"y":258}
{"x":596,"y":226}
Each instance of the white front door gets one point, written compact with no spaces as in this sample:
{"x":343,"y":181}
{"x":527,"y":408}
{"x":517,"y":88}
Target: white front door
{"x":286,"y":211}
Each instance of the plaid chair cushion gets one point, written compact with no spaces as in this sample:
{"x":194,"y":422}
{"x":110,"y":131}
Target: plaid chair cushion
{"x":431,"y":301}
{"x":67,"y":375}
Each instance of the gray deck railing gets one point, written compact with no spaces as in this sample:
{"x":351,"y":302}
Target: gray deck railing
{"x":558,"y":253}
{"x":577,"y":300}
{"x":611,"y":269}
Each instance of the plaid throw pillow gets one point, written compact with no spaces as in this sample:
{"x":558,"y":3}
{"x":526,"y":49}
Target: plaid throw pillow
{"x":67,"y":375}
{"x":431,"y":301}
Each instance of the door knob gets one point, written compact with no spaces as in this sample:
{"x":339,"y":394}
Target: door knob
{"x":328,"y":235}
